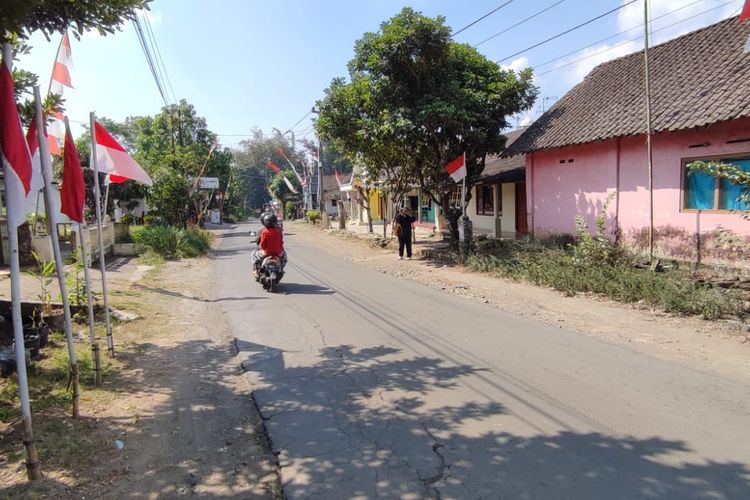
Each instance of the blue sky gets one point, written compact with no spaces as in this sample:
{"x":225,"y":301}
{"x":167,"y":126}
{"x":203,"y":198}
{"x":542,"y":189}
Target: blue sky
{"x":247,"y":63}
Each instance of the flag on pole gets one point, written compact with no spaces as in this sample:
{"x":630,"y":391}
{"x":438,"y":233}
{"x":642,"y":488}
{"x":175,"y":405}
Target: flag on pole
{"x":457,"y":168}
{"x":745,"y":14}
{"x":274,"y":167}
{"x":60,"y":79}
{"x":15,"y":152}
{"x":32,"y":139}
{"x":73,"y":193}
{"x":289,"y":185}
{"x":113,"y":159}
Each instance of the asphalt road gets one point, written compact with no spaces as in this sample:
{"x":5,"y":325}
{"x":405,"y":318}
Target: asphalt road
{"x":375,"y":387}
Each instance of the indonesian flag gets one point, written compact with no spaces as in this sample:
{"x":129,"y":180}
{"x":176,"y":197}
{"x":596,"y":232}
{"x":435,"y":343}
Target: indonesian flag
{"x":73,"y":192}
{"x":274,"y":167}
{"x":60,"y":80}
{"x":745,"y":14}
{"x":14,"y":152}
{"x":289,"y":185}
{"x":338,"y":179}
{"x":113,"y":159}
{"x":37,"y":180}
{"x":457,"y":168}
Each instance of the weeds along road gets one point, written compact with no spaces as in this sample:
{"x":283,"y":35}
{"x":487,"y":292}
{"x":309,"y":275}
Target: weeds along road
{"x":373,"y":386}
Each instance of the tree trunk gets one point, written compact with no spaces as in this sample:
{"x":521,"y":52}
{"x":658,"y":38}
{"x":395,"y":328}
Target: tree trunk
{"x":451,"y":215}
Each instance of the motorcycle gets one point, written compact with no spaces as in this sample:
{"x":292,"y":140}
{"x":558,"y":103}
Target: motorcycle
{"x":270,"y":270}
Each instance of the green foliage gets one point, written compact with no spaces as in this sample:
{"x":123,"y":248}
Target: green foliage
{"x":43,"y":274}
{"x":279,"y":188}
{"x":312,"y":216}
{"x":558,"y":268}
{"x":289,"y":210}
{"x":75,"y":282}
{"x":25,"y":17}
{"x":170,"y":242}
{"x":596,"y":249}
{"x":416,"y":99}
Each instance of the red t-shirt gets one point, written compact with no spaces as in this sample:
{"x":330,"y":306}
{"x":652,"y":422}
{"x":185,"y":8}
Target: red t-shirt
{"x":271,"y":241}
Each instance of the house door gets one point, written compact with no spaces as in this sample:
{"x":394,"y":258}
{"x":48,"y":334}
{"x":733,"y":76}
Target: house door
{"x":522,"y":226}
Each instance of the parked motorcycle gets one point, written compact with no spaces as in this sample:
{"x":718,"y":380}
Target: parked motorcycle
{"x":270,"y":270}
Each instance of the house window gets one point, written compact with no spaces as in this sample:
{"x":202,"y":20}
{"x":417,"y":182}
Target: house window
{"x":455,"y":199}
{"x":334,"y":201}
{"x":485,"y":200}
{"x":702,"y":191}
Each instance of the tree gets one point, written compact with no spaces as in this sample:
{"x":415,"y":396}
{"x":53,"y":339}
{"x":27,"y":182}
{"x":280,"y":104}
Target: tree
{"x":252,"y":161}
{"x":281,"y":191}
{"x":415,"y":99}
{"x":24,"y":17}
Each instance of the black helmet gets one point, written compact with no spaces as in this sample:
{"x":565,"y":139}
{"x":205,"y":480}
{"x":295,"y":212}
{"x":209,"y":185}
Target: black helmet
{"x":269,"y":219}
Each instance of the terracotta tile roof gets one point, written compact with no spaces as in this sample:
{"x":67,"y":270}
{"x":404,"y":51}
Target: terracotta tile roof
{"x":698,"y":79}
{"x":501,"y":169}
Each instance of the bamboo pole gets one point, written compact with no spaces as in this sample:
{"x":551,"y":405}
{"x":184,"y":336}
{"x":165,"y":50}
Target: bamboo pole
{"x":102,"y":262}
{"x":51,"y":210}
{"x":649,"y":147}
{"x":95,"y":351}
{"x":32,"y":459}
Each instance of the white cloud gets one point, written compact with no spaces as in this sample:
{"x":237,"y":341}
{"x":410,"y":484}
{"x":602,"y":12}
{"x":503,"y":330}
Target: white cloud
{"x":517,"y":64}
{"x":526,"y":121}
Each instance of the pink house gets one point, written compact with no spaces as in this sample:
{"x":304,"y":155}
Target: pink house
{"x":592,"y":145}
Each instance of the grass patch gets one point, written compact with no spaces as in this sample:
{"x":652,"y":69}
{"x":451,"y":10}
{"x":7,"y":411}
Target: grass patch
{"x":171,"y":243}
{"x":611,"y":275}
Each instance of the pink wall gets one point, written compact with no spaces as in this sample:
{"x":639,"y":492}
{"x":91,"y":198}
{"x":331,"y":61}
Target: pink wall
{"x":558,"y":191}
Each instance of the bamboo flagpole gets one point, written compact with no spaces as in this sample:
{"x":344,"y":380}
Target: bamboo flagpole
{"x":16,"y":161}
{"x":51,"y":210}
{"x":96,"y":353}
{"x":98,"y":212}
{"x":649,"y":149}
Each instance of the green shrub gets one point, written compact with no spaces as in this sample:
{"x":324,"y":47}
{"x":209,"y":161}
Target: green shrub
{"x":289,"y":210}
{"x":312,"y":216}
{"x":170,"y":242}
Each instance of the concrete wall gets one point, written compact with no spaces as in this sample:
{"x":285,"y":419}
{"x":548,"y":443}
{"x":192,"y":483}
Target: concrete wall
{"x":574,"y":180}
{"x":486,"y":223}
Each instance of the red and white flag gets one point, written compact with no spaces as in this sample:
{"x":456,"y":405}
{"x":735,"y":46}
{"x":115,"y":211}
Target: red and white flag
{"x":113,"y":159}
{"x":32,"y":139}
{"x":14,"y":153}
{"x":274,"y":167}
{"x":60,"y":79}
{"x":289,"y":185}
{"x":338,"y":179}
{"x":457,"y":168}
{"x":745,"y":14}
{"x":73,"y":192}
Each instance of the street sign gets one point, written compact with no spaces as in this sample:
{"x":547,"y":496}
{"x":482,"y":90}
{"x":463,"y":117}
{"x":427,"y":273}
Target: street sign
{"x":209,"y":183}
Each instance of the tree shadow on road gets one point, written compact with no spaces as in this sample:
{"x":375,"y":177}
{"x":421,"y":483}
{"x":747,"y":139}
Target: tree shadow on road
{"x":172,"y":293}
{"x":369,"y":423}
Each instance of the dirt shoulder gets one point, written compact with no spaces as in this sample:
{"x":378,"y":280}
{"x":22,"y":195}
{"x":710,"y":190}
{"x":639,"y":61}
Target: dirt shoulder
{"x":175,"y":402}
{"x":721,"y":347}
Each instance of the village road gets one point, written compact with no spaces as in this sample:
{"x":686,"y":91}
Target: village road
{"x":373,"y":387}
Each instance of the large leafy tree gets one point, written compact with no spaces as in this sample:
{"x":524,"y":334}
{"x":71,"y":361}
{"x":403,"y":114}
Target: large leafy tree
{"x":415,"y":99}
{"x":24,"y":17}
{"x":252,"y":161}
{"x":173,"y":147}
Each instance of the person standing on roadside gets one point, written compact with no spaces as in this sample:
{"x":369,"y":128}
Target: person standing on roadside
{"x":403,"y":226}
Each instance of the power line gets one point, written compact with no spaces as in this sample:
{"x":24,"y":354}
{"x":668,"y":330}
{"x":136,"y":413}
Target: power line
{"x":568,"y":31}
{"x":149,"y":58}
{"x":519,"y":23}
{"x":159,"y":58}
{"x":484,"y":16}
{"x":298,"y":121}
{"x":635,"y":39}
{"x":615,"y":35}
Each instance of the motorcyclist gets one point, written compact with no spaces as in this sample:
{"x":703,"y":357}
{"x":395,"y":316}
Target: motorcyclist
{"x":270,"y":241}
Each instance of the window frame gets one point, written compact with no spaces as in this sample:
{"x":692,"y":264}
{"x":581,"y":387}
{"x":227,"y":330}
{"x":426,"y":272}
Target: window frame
{"x":478,"y":198}
{"x":717,"y":184}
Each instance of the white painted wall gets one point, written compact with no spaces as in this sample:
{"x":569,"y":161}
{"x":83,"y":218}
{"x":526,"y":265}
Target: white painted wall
{"x":508,"y":223}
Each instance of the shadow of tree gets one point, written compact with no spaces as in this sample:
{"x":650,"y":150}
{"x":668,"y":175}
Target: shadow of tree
{"x":195,"y":435}
{"x":368,"y":423}
{"x":180,"y":295}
